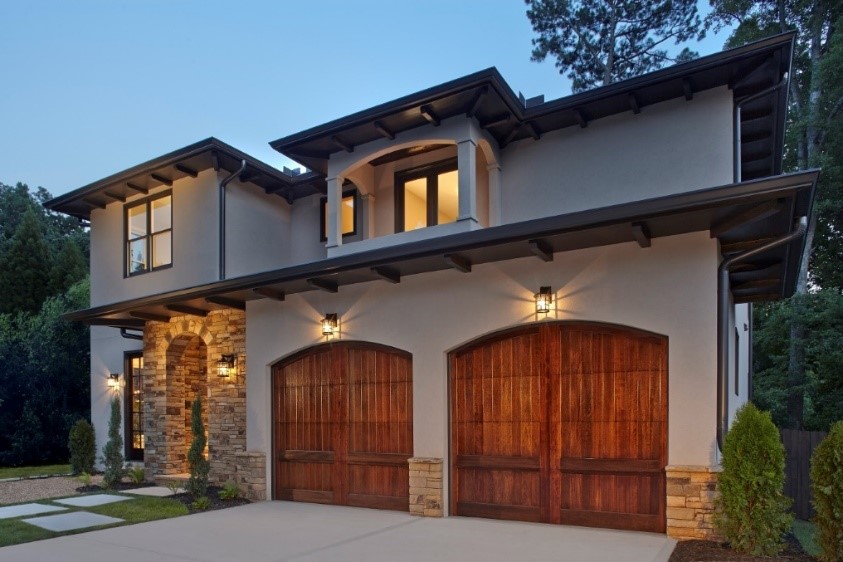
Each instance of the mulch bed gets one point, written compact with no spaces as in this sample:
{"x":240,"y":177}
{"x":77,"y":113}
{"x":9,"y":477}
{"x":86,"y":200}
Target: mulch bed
{"x":708,"y":551}
{"x":216,"y":502}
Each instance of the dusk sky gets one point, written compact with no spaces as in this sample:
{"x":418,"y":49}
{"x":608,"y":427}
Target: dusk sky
{"x":91,"y":87}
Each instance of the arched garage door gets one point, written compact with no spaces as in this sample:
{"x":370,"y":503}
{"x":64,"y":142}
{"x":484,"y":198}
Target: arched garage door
{"x":343,"y":425}
{"x":561,"y":423}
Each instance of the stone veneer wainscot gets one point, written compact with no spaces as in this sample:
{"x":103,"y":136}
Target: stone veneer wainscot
{"x":691,"y":491}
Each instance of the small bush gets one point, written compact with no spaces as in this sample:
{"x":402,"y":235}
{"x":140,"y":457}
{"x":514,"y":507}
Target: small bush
{"x":174,"y":487}
{"x":197,"y":464}
{"x":86,"y":479}
{"x":201,"y":503}
{"x":112,"y":452}
{"x":827,"y":492}
{"x":752,"y":510}
{"x":137,"y":475}
{"x":230,"y":491}
{"x":83,"y":447}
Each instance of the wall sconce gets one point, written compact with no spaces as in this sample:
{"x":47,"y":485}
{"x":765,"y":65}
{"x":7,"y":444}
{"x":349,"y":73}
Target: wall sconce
{"x":544,"y":300}
{"x":330,"y":325}
{"x":225,"y":366}
{"x":114,"y":381}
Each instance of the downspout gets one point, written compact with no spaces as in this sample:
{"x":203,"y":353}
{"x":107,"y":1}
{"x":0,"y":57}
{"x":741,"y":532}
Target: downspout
{"x":723,"y":292}
{"x":125,"y":333}
{"x":224,"y":183}
{"x":736,"y":115}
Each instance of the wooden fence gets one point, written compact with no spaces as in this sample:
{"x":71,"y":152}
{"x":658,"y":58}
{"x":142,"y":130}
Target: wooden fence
{"x":798,"y":446}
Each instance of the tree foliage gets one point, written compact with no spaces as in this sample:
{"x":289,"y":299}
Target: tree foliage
{"x":25,"y":268}
{"x":197,"y":464}
{"x":82,"y":444}
{"x":827,"y":493}
{"x":752,"y":510}
{"x":598,"y":42}
{"x":112,"y":452}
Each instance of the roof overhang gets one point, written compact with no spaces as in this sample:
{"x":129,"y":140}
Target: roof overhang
{"x":486,"y":97}
{"x":742,"y":216}
{"x":182,"y":163}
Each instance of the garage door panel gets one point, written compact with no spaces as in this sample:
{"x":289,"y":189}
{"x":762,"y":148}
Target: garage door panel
{"x":343,"y":426}
{"x":587,"y":401}
{"x":506,"y":488}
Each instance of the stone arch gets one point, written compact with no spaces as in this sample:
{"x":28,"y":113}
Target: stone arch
{"x":186,"y":377}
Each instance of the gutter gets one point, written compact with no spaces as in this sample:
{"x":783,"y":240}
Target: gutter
{"x":723,"y":292}
{"x":223,"y":184}
{"x":125,"y":333}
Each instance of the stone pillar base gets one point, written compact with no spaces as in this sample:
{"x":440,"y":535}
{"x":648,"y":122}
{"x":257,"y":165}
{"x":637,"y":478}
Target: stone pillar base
{"x":250,"y":475}
{"x":690,"y":502}
{"x":426,"y":487}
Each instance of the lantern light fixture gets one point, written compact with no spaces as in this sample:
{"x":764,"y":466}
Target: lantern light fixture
{"x":225,"y":366}
{"x":544,"y":300}
{"x":114,"y":381}
{"x":330,"y":325}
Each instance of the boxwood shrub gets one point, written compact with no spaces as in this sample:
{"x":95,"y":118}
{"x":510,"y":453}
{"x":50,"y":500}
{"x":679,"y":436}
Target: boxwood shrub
{"x":83,"y":447}
{"x":751,"y":509}
{"x":827,"y":493}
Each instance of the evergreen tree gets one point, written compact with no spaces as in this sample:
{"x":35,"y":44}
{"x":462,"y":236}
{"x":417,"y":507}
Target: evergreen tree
{"x":598,"y":42}
{"x":197,"y":464}
{"x":25,"y":269}
{"x":112,"y":452}
{"x":68,"y":268}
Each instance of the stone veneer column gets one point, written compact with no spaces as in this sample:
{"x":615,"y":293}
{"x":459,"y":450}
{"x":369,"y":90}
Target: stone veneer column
{"x":426,"y":487}
{"x":222,"y":332}
{"x":690,"y":501}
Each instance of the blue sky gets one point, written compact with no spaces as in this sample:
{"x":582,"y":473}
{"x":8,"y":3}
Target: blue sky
{"x":91,"y":87}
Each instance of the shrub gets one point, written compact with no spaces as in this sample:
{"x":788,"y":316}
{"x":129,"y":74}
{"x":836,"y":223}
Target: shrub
{"x":137,"y":475}
{"x":827,"y":492}
{"x":197,"y":464}
{"x":174,"y":487}
{"x":230,"y":491}
{"x":202,"y":503}
{"x":86,"y":479}
{"x":752,"y":510}
{"x":83,"y":447}
{"x":112,"y":452}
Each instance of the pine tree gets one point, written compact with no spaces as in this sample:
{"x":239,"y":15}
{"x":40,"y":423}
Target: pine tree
{"x":112,"y":452}
{"x":603,"y":41}
{"x":25,"y":269}
{"x":197,"y":464}
{"x":68,"y":269}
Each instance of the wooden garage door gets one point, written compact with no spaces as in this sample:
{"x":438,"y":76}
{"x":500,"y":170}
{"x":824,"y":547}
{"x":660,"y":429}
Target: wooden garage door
{"x":561,"y":423}
{"x":343,"y":426}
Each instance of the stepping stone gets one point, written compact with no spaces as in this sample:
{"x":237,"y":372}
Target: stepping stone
{"x":155,"y":491}
{"x":71,"y":521}
{"x":27,"y":509}
{"x":92,"y":500}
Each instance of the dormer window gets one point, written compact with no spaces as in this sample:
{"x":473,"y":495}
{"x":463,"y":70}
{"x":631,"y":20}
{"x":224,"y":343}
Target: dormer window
{"x":149,"y":234}
{"x":426,"y":196}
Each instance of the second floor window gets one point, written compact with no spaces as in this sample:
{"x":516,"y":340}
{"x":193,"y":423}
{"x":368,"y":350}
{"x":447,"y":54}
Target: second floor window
{"x":348,"y":210}
{"x":149,"y":234}
{"x":426,"y":196}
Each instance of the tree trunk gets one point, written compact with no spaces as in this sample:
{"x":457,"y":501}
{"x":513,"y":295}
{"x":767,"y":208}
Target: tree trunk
{"x":610,"y":55}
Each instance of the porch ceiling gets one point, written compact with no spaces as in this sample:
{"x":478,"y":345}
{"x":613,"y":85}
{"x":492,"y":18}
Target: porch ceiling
{"x":741,"y":216}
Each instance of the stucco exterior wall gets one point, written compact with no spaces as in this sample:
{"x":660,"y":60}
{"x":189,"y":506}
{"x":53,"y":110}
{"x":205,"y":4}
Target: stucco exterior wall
{"x":195,"y":244}
{"x":257,"y":230}
{"x":107,"y":349}
{"x":670,"y":147}
{"x":669,"y":288}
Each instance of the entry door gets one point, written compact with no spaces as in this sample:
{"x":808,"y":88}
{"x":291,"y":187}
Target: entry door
{"x":561,"y":423}
{"x":343,"y":426}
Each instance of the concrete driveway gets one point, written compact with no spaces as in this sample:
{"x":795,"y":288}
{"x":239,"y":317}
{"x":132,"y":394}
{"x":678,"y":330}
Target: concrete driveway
{"x":280,"y":531}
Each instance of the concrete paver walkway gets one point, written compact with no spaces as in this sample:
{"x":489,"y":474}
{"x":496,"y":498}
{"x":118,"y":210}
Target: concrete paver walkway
{"x":71,"y":521}
{"x":285,"y":531}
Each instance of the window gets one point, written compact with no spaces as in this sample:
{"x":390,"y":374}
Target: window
{"x":737,"y":362}
{"x":426,"y":196}
{"x":149,"y":234}
{"x":134,"y":406}
{"x":349,"y":215}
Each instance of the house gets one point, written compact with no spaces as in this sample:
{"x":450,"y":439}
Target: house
{"x":470,"y":304}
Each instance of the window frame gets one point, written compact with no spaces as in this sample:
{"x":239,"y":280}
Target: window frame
{"x":737,"y":361}
{"x":431,"y":173}
{"x":323,"y":213}
{"x":129,"y":374}
{"x":147,"y":202}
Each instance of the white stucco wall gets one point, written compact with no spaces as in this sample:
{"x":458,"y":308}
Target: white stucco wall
{"x":669,"y":147}
{"x":107,"y":349}
{"x":195,"y":244}
{"x":257,"y":230}
{"x":669,"y":289}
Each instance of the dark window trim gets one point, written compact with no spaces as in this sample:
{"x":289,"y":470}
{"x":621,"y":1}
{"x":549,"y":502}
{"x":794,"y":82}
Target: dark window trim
{"x":131,"y":453}
{"x":148,"y":202}
{"x":737,"y":361}
{"x":323,"y":215}
{"x":431,"y":172}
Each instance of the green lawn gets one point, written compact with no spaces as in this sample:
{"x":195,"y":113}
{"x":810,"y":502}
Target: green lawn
{"x":805,"y":533}
{"x":45,"y":470}
{"x":136,"y":510}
